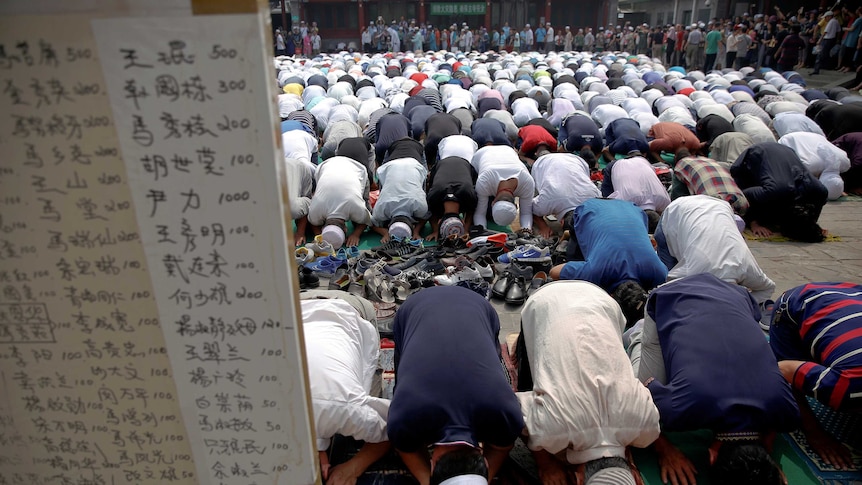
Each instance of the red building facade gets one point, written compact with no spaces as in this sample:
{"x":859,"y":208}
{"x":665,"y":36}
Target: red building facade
{"x":344,"y":19}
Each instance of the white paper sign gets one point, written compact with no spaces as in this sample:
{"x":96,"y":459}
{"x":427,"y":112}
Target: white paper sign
{"x":196,"y":123}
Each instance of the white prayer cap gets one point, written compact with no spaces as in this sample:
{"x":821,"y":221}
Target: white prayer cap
{"x":333,"y":235}
{"x":504,"y":212}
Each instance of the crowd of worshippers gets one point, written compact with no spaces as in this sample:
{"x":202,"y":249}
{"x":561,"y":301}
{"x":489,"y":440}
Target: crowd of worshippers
{"x":828,"y":38}
{"x":391,"y":143}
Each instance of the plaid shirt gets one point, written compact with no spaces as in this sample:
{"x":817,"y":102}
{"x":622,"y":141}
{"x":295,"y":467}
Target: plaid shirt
{"x":702,"y":175}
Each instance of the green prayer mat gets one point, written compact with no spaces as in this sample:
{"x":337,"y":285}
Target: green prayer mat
{"x":695,"y":445}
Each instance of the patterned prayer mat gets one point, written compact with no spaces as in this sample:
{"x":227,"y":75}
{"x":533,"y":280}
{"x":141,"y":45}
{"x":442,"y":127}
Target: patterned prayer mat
{"x":845,"y":427}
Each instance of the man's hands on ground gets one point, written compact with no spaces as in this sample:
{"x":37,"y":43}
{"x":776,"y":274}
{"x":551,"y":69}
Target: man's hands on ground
{"x":829,"y":449}
{"x":675,"y":467}
{"x":760,"y":231}
{"x":353,"y":240}
{"x":342,"y":474}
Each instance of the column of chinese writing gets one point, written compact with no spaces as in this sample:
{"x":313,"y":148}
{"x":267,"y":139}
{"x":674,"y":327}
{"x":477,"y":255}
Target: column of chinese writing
{"x":88,"y":392}
{"x":190,"y":145}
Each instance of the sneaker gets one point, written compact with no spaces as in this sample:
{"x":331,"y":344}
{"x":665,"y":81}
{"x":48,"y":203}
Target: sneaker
{"x":320,"y":247}
{"x":766,"y":314}
{"x":347,"y":252}
{"x":498,"y":239}
{"x":526,"y":254}
{"x":340,"y":280}
{"x":479,"y":286}
{"x":485,"y":266}
{"x":397,"y":249}
{"x":303,"y":255}
{"x":456,"y":276}
{"x":325,"y":265}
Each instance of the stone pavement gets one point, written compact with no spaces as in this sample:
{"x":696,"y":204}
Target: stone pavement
{"x":789,"y":264}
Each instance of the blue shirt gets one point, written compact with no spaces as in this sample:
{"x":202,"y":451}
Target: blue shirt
{"x":540,"y":34}
{"x":450,"y":384}
{"x":721,"y":375}
{"x":613,"y":238}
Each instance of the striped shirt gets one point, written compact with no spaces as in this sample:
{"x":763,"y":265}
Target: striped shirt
{"x":705,"y":176}
{"x":821,"y":324}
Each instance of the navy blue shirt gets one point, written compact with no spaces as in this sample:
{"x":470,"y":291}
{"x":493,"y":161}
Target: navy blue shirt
{"x":390,"y":128}
{"x":624,"y":135}
{"x":489,"y":130}
{"x":450,"y":384}
{"x":721,"y":372}
{"x":578,"y":131}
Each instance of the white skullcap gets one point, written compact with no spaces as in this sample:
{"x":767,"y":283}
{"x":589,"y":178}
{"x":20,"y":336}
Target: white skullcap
{"x":466,"y":480}
{"x":834,"y":184}
{"x":400,"y":230}
{"x":504,"y":212}
{"x":333,"y":235}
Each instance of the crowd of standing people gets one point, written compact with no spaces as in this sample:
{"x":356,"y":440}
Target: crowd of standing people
{"x":816,"y":39}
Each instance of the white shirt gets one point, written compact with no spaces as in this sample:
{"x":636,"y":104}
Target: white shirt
{"x":585,"y":398}
{"x":753,"y":127}
{"x":666,"y":102}
{"x":340,"y":193}
{"x":832,"y":28}
{"x":677,"y":114}
{"x":605,"y":114}
{"x":790,"y":122}
{"x":635,"y":180}
{"x":299,"y":145}
{"x":817,"y":153}
{"x":702,"y":236}
{"x":297,"y":181}
{"x":457,"y":146}
{"x":524,"y":110}
{"x":342,"y":350}
{"x":495,"y":164}
{"x":562,"y":182}
{"x":402,"y":193}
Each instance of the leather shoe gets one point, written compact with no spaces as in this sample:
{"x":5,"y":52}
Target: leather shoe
{"x":501,"y":286}
{"x":307,"y":279}
{"x":516,"y":294}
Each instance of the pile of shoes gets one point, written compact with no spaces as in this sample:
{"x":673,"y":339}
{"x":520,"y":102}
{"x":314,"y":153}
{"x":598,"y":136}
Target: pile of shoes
{"x":495,"y":265}
{"x":527,"y":268}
